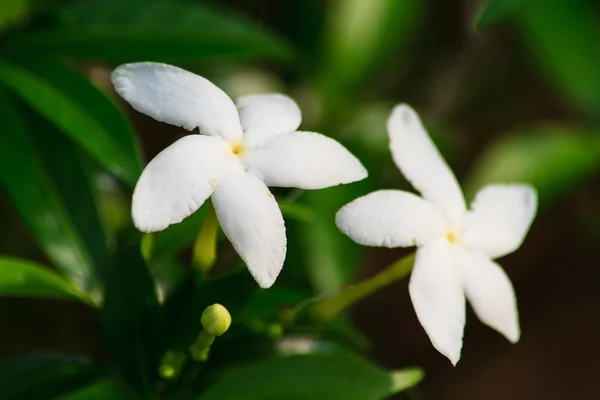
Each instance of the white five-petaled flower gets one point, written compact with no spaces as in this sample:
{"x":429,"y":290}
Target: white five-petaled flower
{"x":242,"y":149}
{"x":456,"y":246}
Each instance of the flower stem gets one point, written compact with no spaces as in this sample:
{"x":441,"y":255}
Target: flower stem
{"x":201,"y":347}
{"x":330,"y":307}
{"x":205,"y":247}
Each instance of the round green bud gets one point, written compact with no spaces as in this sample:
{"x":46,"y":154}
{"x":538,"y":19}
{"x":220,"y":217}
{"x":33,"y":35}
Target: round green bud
{"x":216,"y":320}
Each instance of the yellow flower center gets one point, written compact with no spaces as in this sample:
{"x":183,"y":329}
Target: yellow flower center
{"x":238,"y":148}
{"x":452,"y":236}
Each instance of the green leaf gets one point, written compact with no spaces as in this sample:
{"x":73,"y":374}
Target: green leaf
{"x":103,"y":390}
{"x":329,"y":256}
{"x":80,"y":110}
{"x":26,"y":278}
{"x":131,"y":320}
{"x":52,"y":199}
{"x":159,"y":30}
{"x":176,"y":237}
{"x":552,"y":159}
{"x":356,"y":47}
{"x":310,"y":377}
{"x":297,"y":211}
{"x":11,"y":11}
{"x":46,"y":375}
{"x":494,"y":10}
{"x":562,"y":36}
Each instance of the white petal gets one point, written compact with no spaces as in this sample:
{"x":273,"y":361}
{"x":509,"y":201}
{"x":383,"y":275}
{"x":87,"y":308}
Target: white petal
{"x":438,"y":298}
{"x":422,"y":164}
{"x":305,"y":160}
{"x":266,"y":115}
{"x":501,"y":217}
{"x":252,"y":221}
{"x":490,"y":293}
{"x":391,"y":218}
{"x":177,"y":97}
{"x":178,"y":180}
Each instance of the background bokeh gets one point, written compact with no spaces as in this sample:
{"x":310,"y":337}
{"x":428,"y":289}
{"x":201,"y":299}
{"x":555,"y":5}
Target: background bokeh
{"x":509,"y":90}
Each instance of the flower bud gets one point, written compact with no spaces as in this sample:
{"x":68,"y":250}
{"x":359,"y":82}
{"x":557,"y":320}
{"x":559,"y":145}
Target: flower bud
{"x":216,"y":320}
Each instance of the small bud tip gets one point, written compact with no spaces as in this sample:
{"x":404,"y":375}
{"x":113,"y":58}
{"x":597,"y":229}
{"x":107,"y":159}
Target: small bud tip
{"x":216,"y":320}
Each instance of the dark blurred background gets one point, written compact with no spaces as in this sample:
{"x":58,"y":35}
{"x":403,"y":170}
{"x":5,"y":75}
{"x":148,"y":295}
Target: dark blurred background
{"x":515,"y":99}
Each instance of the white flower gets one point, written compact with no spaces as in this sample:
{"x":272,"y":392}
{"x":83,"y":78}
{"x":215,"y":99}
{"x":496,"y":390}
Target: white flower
{"x":242,"y":148}
{"x":455,"y":245}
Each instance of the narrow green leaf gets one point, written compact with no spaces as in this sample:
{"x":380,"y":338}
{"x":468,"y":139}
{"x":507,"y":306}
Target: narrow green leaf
{"x":494,"y":10}
{"x":25,"y":278}
{"x":41,"y":203}
{"x":46,"y":375}
{"x":552,"y":159}
{"x":80,"y":110}
{"x":563,"y":38}
{"x":103,"y":390}
{"x":309,"y":377}
{"x":161,"y":30}
{"x":131,"y":320}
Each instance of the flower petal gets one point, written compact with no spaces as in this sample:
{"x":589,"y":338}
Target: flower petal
{"x":252,"y":221}
{"x":178,"y":180}
{"x":177,"y":97}
{"x":490,"y":293}
{"x":266,"y":115}
{"x":501,"y":217}
{"x":438,"y":298}
{"x":305,"y":160}
{"x":421,"y":163}
{"x":390,"y":218}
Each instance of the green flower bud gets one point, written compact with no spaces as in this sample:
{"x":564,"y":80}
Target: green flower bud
{"x":216,"y":320}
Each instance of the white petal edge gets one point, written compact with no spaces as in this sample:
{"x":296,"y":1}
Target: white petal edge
{"x":437,"y":296}
{"x":251,"y":220}
{"x":490,"y":293}
{"x":391,"y":218}
{"x":178,"y":97}
{"x":422,"y":164}
{"x":305,"y":160}
{"x":500,"y":219}
{"x":178,"y":180}
{"x":266,"y":115}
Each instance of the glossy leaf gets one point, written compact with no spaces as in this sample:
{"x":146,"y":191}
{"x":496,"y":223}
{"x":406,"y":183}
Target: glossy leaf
{"x":552,"y":160}
{"x":131,"y":320}
{"x":162,"y":30}
{"x":46,"y":375}
{"x":103,"y":390}
{"x":309,"y":377}
{"x":25,"y":278}
{"x":494,"y":10}
{"x":80,"y":110}
{"x":42,"y":204}
{"x":563,"y":38}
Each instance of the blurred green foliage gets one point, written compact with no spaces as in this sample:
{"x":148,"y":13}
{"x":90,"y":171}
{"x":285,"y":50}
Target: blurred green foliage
{"x":69,"y":156}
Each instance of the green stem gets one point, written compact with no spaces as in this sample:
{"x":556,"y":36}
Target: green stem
{"x":205,"y":247}
{"x":330,"y":307}
{"x":201,"y":347}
